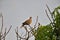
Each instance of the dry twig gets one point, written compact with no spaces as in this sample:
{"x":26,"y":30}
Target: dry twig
{"x":7,"y":32}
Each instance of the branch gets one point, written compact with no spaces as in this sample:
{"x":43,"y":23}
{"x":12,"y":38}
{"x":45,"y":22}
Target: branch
{"x":48,"y":8}
{"x":17,"y":32}
{"x":32,"y":30}
{"x":48,"y":16}
{"x":7,"y":32}
{"x":50,"y":12}
{"x":2,"y":25}
{"x":28,"y":36}
{"x":36,"y":21}
{"x":19,"y":35}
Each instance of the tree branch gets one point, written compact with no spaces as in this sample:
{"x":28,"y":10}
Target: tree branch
{"x":7,"y":32}
{"x":48,"y":16}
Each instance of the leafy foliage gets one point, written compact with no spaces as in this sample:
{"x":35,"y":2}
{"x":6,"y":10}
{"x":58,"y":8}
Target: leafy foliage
{"x":45,"y":33}
{"x":50,"y":31}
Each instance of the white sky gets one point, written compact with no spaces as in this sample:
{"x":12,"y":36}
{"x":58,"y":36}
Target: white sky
{"x":16,"y":11}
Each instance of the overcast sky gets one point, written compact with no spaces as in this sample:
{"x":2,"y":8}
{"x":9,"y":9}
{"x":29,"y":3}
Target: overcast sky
{"x":16,"y":11}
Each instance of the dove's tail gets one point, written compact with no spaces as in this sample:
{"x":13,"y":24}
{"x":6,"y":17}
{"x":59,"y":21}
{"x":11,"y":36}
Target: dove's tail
{"x":22,"y":26}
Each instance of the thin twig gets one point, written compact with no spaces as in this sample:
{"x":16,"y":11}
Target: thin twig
{"x":48,"y":16}
{"x":19,"y":35}
{"x":48,"y":9}
{"x":7,"y":32}
{"x":28,"y":36}
{"x":50,"y":12}
{"x":0,"y":35}
{"x":36,"y":21}
{"x":2,"y":25}
{"x":17,"y":32}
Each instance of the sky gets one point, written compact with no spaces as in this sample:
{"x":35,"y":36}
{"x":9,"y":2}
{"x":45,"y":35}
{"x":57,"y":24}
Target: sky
{"x":17,"y":11}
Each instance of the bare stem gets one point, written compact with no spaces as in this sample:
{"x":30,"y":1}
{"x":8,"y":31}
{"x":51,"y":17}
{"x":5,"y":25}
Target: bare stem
{"x":50,"y":12}
{"x":7,"y":32}
{"x":19,"y":35}
{"x":48,"y":16}
{"x":36,"y":21}
{"x":2,"y":25}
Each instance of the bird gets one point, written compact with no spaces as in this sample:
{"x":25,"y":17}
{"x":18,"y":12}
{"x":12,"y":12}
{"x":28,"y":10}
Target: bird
{"x":27,"y":22}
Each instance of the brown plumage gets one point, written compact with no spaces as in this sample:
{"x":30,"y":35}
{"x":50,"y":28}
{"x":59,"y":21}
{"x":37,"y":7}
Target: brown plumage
{"x":27,"y":22}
